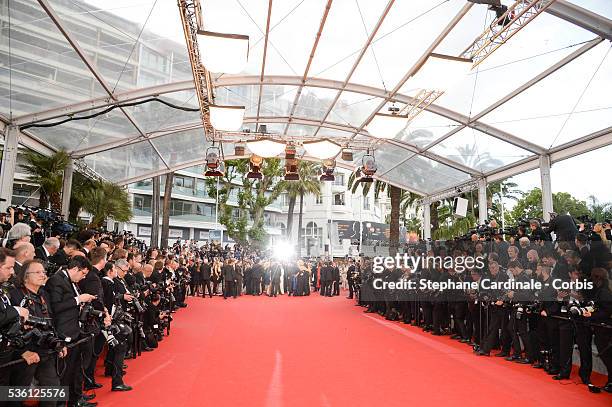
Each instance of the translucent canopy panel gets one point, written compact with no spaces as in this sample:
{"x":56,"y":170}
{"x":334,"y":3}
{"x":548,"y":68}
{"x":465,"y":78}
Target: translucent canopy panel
{"x":478,"y":150}
{"x":539,"y":45}
{"x":540,"y":113}
{"x":125,"y":162}
{"x":79,"y":134}
{"x":42,"y":70}
{"x":353,"y":108}
{"x":179,"y":148}
{"x":308,"y":131}
{"x":133,"y":44}
{"x":155,"y":116}
{"x":276,"y":100}
{"x":403,"y":37}
{"x":315,"y":102}
{"x":425,"y":175}
{"x":339,"y":49}
{"x":426,"y":128}
{"x":596,"y":6}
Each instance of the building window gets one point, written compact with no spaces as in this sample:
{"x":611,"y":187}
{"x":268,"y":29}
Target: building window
{"x":339,"y":198}
{"x":284,"y":199}
{"x":339,"y":179}
{"x":318,"y":199}
{"x":312,"y":236}
{"x":186,"y":182}
{"x":366,"y":203}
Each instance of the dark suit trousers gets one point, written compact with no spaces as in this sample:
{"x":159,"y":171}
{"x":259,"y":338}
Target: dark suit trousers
{"x":45,"y":374}
{"x":206,"y":286}
{"x":73,"y":374}
{"x":90,"y":357}
{"x":499,"y":320}
{"x":116,"y":355}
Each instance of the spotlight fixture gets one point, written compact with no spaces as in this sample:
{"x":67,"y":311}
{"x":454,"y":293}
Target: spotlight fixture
{"x":239,"y":150}
{"x":328,"y":170}
{"x":291,"y":169}
{"x":226,"y":118}
{"x":322,"y":149}
{"x":223,"y":53}
{"x":347,"y":155}
{"x":266,"y":147}
{"x":290,"y":151}
{"x":213,"y":163}
{"x":255,"y":167}
{"x":368,"y":168}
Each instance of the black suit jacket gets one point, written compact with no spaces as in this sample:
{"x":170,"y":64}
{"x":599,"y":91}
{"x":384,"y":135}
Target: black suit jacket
{"x":60,"y":258}
{"x":205,"y":271}
{"x":39,"y":253}
{"x":91,"y":284}
{"x":64,"y":307}
{"x":8,"y":314}
{"x":108,"y":287}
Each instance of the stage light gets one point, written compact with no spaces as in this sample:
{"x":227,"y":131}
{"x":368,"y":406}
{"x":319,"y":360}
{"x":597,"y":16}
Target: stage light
{"x":255,"y":164}
{"x":347,"y":155}
{"x":328,"y":170}
{"x":226,"y":118}
{"x":290,"y":151}
{"x":386,"y":126}
{"x":321,"y":149}
{"x":440,"y":72}
{"x":265,"y":147}
{"x":291,"y":169}
{"x":213,"y":163}
{"x":368,"y":168}
{"x":282,"y":251}
{"x":223,"y":53}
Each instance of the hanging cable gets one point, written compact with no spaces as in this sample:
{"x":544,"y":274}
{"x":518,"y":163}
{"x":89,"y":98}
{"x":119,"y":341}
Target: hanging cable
{"x":109,"y":109}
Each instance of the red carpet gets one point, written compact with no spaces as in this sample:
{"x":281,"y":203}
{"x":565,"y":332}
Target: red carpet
{"x":313,"y":351}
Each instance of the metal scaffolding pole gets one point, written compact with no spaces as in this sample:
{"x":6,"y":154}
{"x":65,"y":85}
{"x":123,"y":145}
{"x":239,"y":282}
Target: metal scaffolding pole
{"x":7,"y":169}
{"x":426,"y":219}
{"x":155,"y":212}
{"x":547,"y":202}
{"x":67,"y":188}
{"x":482,"y":201}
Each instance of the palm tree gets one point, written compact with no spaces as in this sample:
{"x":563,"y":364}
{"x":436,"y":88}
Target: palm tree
{"x":306,"y":185}
{"x":48,"y":173}
{"x":599,"y":211}
{"x":107,"y":200}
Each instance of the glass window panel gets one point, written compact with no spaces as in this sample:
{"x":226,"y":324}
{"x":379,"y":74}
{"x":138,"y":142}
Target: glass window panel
{"x":79,"y":134}
{"x":425,"y":175}
{"x":125,"y":162}
{"x":539,"y":113}
{"x":533,"y":49}
{"x":339,"y":47}
{"x":45,"y":72}
{"x":425,"y":128}
{"x":479,"y":150}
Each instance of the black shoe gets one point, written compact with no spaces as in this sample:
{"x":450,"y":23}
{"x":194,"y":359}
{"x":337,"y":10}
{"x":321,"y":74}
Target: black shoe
{"x":553,"y":372}
{"x":121,"y":387}
{"x":512,"y":358}
{"x":560,"y":377}
{"x":84,"y":403}
{"x":523,"y":361}
{"x":88,"y":397}
{"x":464,"y":340}
{"x":92,"y":386}
{"x":147,"y":349}
{"x":607,"y":387}
{"x":502,"y":354}
{"x":483,"y":353}
{"x":455,"y":336}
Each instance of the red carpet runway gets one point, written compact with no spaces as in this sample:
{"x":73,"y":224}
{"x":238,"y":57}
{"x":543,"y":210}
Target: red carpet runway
{"x":314,"y":351}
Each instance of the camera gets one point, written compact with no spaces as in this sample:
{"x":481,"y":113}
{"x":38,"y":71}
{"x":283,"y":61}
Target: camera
{"x":89,"y":315}
{"x":578,"y":309}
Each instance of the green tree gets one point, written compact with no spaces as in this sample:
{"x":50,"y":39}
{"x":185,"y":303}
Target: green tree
{"x":105,"y":200}
{"x":253,"y":195}
{"x":306,"y":185}
{"x":530,"y":205}
{"x":599,"y":211}
{"x":48,"y":173}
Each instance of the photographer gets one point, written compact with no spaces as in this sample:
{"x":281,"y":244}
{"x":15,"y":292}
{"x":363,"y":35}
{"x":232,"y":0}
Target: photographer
{"x":602,"y":297}
{"x":48,"y":249}
{"x":518,"y":318}
{"x":563,"y":226}
{"x":537,"y":233}
{"x":65,"y":300}
{"x":41,"y":359}
{"x":548,"y":325}
{"x":114,"y":295}
{"x":8,"y":314}
{"x":20,"y":232}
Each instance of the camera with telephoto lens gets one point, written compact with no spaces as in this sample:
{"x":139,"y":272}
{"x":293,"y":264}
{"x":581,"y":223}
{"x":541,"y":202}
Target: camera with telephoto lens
{"x":578,"y":309}
{"x":40,"y":334}
{"x":89,"y":315}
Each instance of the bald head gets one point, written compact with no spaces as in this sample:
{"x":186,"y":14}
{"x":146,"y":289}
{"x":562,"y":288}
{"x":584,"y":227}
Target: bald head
{"x":24,"y":252}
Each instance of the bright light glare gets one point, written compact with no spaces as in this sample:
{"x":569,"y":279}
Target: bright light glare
{"x":282,"y":251}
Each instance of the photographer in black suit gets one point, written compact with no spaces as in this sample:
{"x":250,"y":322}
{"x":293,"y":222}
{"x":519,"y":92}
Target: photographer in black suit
{"x":65,"y":300}
{"x":114,"y":295}
{"x":8,"y":314}
{"x":564,"y":227}
{"x":205,"y":275}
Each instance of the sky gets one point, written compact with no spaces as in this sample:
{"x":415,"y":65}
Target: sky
{"x":570,"y":103}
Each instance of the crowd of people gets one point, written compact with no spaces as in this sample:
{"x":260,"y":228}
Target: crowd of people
{"x":68,"y":300}
{"x":526,"y":326}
